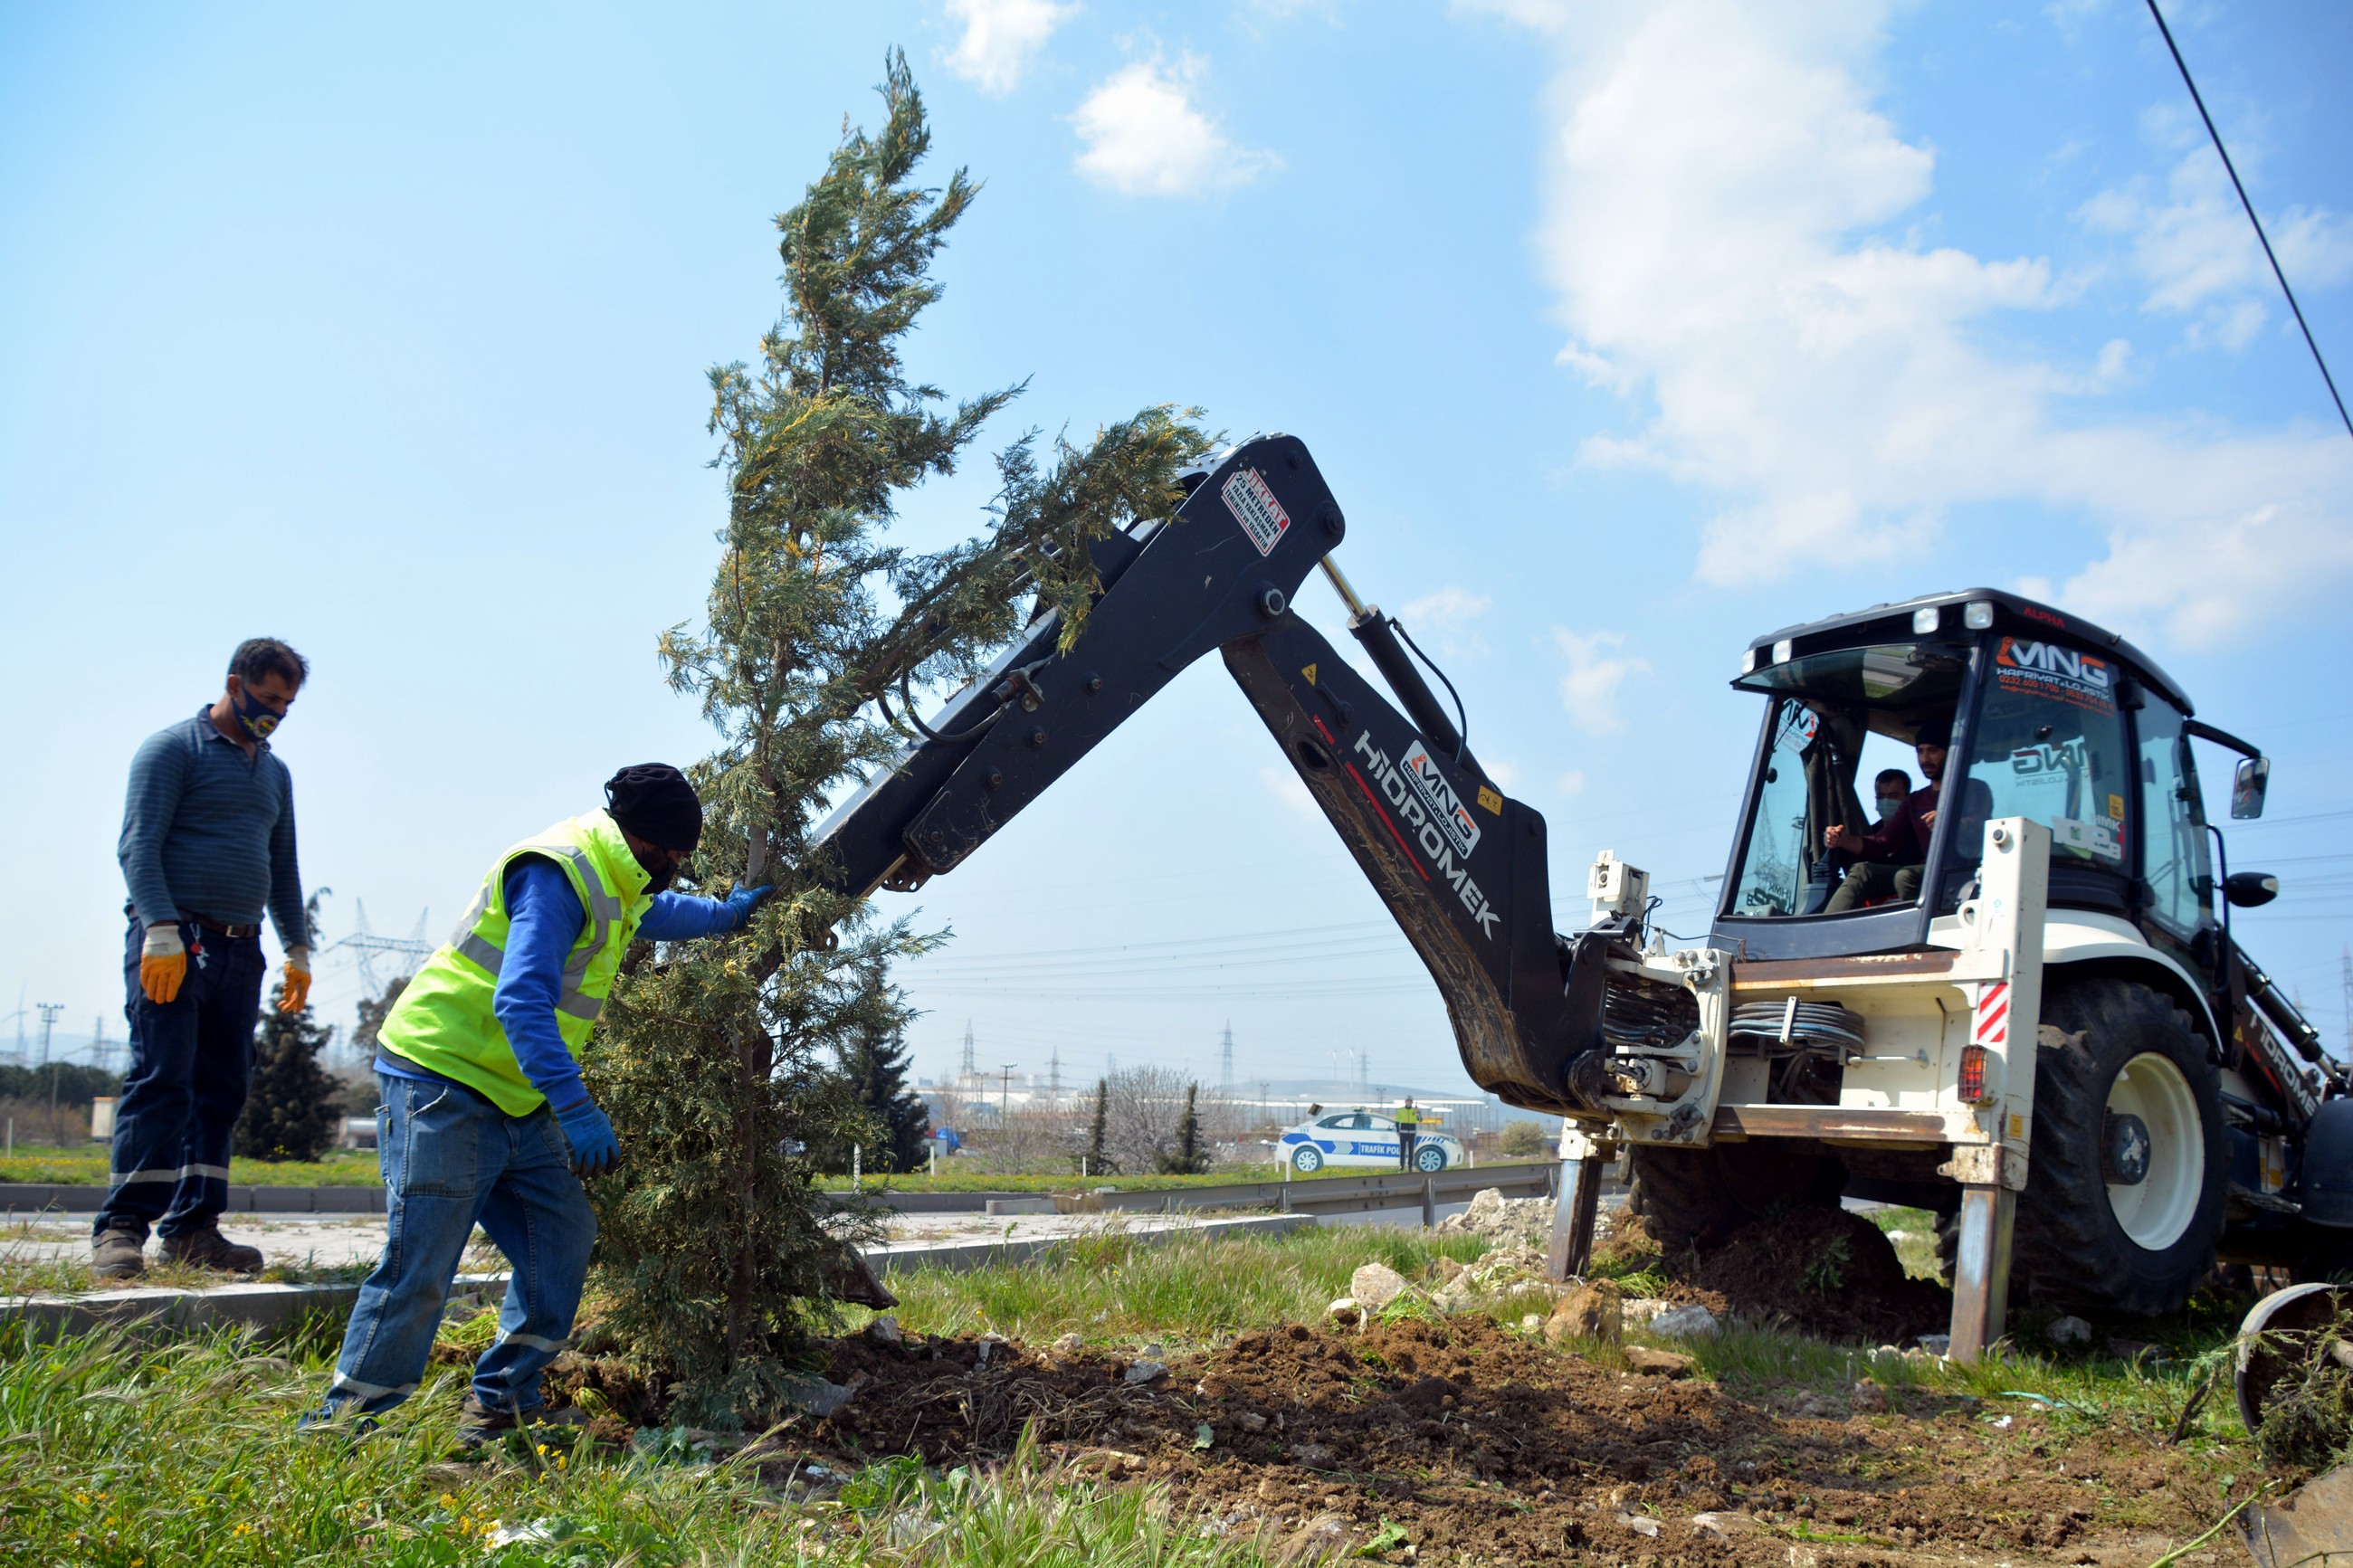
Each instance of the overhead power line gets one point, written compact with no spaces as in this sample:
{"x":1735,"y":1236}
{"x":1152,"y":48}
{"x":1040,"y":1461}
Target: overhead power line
{"x":2236,"y":184}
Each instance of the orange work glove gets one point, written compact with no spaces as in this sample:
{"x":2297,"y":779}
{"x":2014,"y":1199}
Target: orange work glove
{"x":294,"y":987}
{"x":163,"y":964}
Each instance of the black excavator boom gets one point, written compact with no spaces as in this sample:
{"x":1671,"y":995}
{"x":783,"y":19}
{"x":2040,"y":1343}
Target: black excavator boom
{"x":1459,"y":866}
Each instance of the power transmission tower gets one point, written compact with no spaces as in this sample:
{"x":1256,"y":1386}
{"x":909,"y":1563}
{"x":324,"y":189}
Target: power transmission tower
{"x":1054,"y":1073}
{"x":368,"y":948}
{"x":101,"y":1049}
{"x":1226,"y":1058}
{"x":969,"y":1069}
{"x":1111,"y":1065}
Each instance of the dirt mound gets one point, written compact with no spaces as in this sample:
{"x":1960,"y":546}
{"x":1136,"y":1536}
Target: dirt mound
{"x":1823,"y":1271}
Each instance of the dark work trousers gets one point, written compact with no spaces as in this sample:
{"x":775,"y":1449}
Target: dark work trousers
{"x":1406,"y":1137}
{"x":190,"y":1058}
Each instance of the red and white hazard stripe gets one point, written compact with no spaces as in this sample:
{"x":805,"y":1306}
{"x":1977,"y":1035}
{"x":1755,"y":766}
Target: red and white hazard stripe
{"x":1993,"y":1015}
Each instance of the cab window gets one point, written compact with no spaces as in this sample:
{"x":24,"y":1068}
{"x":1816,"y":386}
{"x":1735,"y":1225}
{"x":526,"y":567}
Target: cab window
{"x":2049,"y":743}
{"x":2175,"y":859}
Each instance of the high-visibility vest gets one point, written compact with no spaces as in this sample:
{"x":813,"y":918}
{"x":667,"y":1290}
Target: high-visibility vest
{"x":1406,"y":1116}
{"x":444,"y":1021}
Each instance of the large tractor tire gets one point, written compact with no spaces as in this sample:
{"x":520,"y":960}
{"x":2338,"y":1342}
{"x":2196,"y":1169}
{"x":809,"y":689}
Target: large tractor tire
{"x":2128,"y":1160}
{"x":1696,"y":1198}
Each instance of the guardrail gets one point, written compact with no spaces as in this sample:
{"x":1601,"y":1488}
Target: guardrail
{"x":1342,"y":1195}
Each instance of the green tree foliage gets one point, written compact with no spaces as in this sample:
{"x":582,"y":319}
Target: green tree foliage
{"x":874,"y":1061}
{"x":715,"y":1064}
{"x":1098,"y":1161}
{"x":72,"y":1085}
{"x":1188,"y":1158}
{"x":293,"y":1104}
{"x":1525,"y":1140}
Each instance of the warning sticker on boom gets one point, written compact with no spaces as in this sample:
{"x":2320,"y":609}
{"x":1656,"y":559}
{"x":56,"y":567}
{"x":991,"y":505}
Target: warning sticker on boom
{"x":1255,"y":508}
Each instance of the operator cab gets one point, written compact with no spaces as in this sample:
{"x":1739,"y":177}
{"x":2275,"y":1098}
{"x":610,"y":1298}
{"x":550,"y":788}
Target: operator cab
{"x":1891,"y":735}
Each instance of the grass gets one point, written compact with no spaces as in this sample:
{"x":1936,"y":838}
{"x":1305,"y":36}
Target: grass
{"x":132,"y":1457}
{"x":138,"y":1455}
{"x":1914,"y":1232}
{"x":1112,"y":1287}
{"x":85,"y":1166}
{"x":960,"y":1181}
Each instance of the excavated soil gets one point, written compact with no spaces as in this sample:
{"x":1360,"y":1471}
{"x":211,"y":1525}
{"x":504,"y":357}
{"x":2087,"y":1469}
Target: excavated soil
{"x":1824,"y":1272}
{"x":1488,"y":1447}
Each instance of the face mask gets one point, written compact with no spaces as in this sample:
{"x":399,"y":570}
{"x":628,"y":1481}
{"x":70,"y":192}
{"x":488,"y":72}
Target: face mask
{"x":256,"y":720}
{"x":1888,"y":805}
{"x":659,"y":872}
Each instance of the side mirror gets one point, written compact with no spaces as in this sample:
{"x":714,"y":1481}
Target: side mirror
{"x":2247,"y":789}
{"x":2249,"y":889}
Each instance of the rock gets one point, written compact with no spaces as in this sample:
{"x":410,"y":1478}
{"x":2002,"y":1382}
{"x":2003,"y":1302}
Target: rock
{"x":1447,"y":1270}
{"x":816,"y":1395}
{"x":1250,"y":1421}
{"x":1643,"y":1310}
{"x":1376,"y":1285}
{"x":1532,"y":1321}
{"x":1868,"y":1397}
{"x":1690,"y":1321}
{"x":1641,"y":1524}
{"x":1936,"y":1344}
{"x":990,"y":1344}
{"x":885,"y":1330}
{"x":1320,"y":1537}
{"x":2068,"y":1331}
{"x":1070,"y":1344}
{"x":1591,"y":1312}
{"x":1344,"y":1312}
{"x":1144,"y":1372}
{"x":1660,"y":1364}
{"x":1720,"y":1524}
{"x":1314,"y":1456}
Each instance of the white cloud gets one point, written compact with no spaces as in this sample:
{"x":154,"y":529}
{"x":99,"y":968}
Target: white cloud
{"x":1572,"y":783}
{"x":1001,"y":38}
{"x":1446,"y":621}
{"x":1143,"y":136}
{"x":2197,"y":255}
{"x":1720,"y":185}
{"x":1589,"y":690}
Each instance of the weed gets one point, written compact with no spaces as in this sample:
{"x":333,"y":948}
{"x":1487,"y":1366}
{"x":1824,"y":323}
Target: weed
{"x":1826,"y":1275}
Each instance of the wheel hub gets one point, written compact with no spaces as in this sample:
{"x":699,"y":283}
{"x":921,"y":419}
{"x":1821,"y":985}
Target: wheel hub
{"x":2124,"y":1158}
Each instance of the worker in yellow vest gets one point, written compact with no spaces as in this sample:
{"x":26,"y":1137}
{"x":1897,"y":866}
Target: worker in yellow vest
{"x":485,"y":1119}
{"x":1408,"y":1125}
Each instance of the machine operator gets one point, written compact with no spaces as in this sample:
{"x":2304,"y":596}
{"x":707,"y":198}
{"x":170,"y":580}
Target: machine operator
{"x":1893,"y":853}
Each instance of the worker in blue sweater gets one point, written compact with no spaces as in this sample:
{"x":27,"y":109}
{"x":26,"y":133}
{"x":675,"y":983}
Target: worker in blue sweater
{"x":208,"y":845}
{"x":485,"y":1118}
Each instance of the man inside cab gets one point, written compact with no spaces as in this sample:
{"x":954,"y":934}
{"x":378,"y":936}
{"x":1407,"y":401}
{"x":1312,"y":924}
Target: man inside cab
{"x":1893,"y":853}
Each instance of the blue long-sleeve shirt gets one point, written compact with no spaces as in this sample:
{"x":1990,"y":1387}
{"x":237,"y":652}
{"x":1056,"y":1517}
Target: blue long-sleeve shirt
{"x":544,"y":918}
{"x":207,"y":830}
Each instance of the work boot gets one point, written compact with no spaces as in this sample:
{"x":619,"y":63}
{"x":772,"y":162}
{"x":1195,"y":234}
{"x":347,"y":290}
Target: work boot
{"x":118,"y":1254}
{"x":208,"y":1249}
{"x":479,"y":1424}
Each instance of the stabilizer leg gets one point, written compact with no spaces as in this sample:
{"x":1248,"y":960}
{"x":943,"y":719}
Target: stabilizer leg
{"x":1981,"y":1269}
{"x":1584,"y":1166}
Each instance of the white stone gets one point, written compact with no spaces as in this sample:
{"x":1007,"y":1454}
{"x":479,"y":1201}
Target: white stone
{"x":1146,"y":1371}
{"x":1690,"y":1321}
{"x":1376,"y":1285}
{"x":1937,"y":1344}
{"x":2069,"y":1331}
{"x":1643,"y":1310}
{"x":885,"y":1329}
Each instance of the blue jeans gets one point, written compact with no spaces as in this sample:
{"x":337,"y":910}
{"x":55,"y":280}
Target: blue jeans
{"x":191,"y":1060}
{"x":451,"y":1158}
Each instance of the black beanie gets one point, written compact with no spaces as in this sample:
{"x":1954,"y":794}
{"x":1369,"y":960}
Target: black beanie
{"x":1933,"y":732}
{"x":654,"y":801}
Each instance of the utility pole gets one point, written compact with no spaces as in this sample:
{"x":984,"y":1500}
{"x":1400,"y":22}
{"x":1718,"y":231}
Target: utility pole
{"x":1004,"y":1090}
{"x":49,"y":1011}
{"x":1226,"y":1058}
{"x":1054,"y":1075}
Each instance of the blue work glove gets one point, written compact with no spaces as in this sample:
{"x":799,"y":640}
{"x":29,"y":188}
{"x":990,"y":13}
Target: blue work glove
{"x":590,"y":1133}
{"x":743,"y":902}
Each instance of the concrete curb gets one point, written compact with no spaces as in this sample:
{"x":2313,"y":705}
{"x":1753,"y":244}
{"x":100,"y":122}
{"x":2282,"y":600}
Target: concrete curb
{"x":962,"y":1256}
{"x":168,"y":1311}
{"x":188,"y":1311}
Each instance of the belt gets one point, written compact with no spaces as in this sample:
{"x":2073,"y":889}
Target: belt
{"x":228,"y":931}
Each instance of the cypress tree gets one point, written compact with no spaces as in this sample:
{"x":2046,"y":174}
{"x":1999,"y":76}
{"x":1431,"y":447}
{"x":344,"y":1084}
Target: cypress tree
{"x":1099,"y":1161}
{"x":293,"y":1104}
{"x":875,"y":1063}
{"x":717,"y":1065}
{"x":1187,"y":1160}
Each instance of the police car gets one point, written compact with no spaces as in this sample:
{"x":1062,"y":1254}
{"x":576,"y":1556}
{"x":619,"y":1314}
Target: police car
{"x":1363,"y":1137}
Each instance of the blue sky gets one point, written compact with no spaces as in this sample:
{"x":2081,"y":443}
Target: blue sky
{"x":1623,"y":333}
